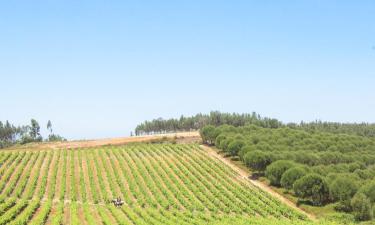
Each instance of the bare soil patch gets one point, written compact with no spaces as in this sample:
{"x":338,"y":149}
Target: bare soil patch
{"x":50,"y":174}
{"x":86,"y":178}
{"x":180,"y":137}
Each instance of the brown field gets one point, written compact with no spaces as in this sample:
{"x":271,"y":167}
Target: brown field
{"x":180,"y":137}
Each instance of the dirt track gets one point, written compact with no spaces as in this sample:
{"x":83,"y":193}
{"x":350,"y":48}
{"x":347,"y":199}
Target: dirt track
{"x":180,"y":137}
{"x":245,"y":175}
{"x":119,"y":141}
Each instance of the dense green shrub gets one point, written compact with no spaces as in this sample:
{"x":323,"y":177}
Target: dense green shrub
{"x":235,"y":146}
{"x":275,"y":171}
{"x":312,"y":186}
{"x":331,"y":155}
{"x":368,"y":173}
{"x":369,"y":191}
{"x":343,"y":188}
{"x":361,"y":206}
{"x":245,"y":149}
{"x":219,"y":139}
{"x":291,"y":175}
{"x":225,"y":143}
{"x":257,"y":160}
{"x":208,"y":134}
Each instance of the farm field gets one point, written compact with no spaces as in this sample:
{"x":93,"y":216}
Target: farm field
{"x":159,"y":183}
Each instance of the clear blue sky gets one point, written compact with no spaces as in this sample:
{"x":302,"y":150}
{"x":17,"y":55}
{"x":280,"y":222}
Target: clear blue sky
{"x":98,"y":68}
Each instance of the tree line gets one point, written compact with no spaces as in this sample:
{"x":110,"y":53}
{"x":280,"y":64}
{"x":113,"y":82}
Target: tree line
{"x":319,"y":165}
{"x":362,"y":129}
{"x":11,"y":134}
{"x":216,"y":118}
{"x":200,"y":120}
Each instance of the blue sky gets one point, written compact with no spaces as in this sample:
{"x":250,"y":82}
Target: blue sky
{"x":98,"y":68}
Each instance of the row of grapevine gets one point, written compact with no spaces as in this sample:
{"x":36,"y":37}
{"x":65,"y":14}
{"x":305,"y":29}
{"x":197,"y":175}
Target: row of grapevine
{"x":159,"y":183}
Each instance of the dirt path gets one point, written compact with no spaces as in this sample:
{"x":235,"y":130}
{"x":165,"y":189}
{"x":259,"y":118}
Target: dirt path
{"x":104,"y":176}
{"x":77,"y":176}
{"x":95,"y":176}
{"x":41,"y":175}
{"x":81,"y":215}
{"x":68,"y":177}
{"x":59,"y":177}
{"x":66,"y":215}
{"x":50,"y":174}
{"x":86,"y":178}
{"x":245,"y":175}
{"x":181,"y":137}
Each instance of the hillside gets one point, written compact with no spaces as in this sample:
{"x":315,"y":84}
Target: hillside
{"x":323,"y":172}
{"x":159,"y":183}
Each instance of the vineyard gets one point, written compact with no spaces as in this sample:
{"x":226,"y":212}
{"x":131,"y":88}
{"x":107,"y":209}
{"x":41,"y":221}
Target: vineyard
{"x":159,"y":183}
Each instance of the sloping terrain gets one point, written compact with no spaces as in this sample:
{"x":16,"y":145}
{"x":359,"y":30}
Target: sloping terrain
{"x":159,"y":184}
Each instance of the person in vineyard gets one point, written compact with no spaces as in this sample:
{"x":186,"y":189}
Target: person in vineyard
{"x":118,"y":202}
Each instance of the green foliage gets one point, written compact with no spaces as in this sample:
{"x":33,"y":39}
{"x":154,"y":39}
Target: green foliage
{"x":235,"y":146}
{"x":369,"y":191}
{"x":161,"y":184}
{"x":343,"y":189}
{"x":208,"y":134}
{"x":49,"y":126}
{"x":215,"y":118}
{"x":10,"y":134}
{"x":58,"y":217}
{"x":245,"y":149}
{"x":35,"y":131}
{"x":219,"y":139}
{"x":257,"y":160}
{"x":361,"y":129}
{"x":331,"y":150}
{"x":55,"y":137}
{"x":291,"y":175}
{"x":275,"y":171}
{"x":312,"y":186}
{"x":361,"y":206}
{"x":225,"y":143}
